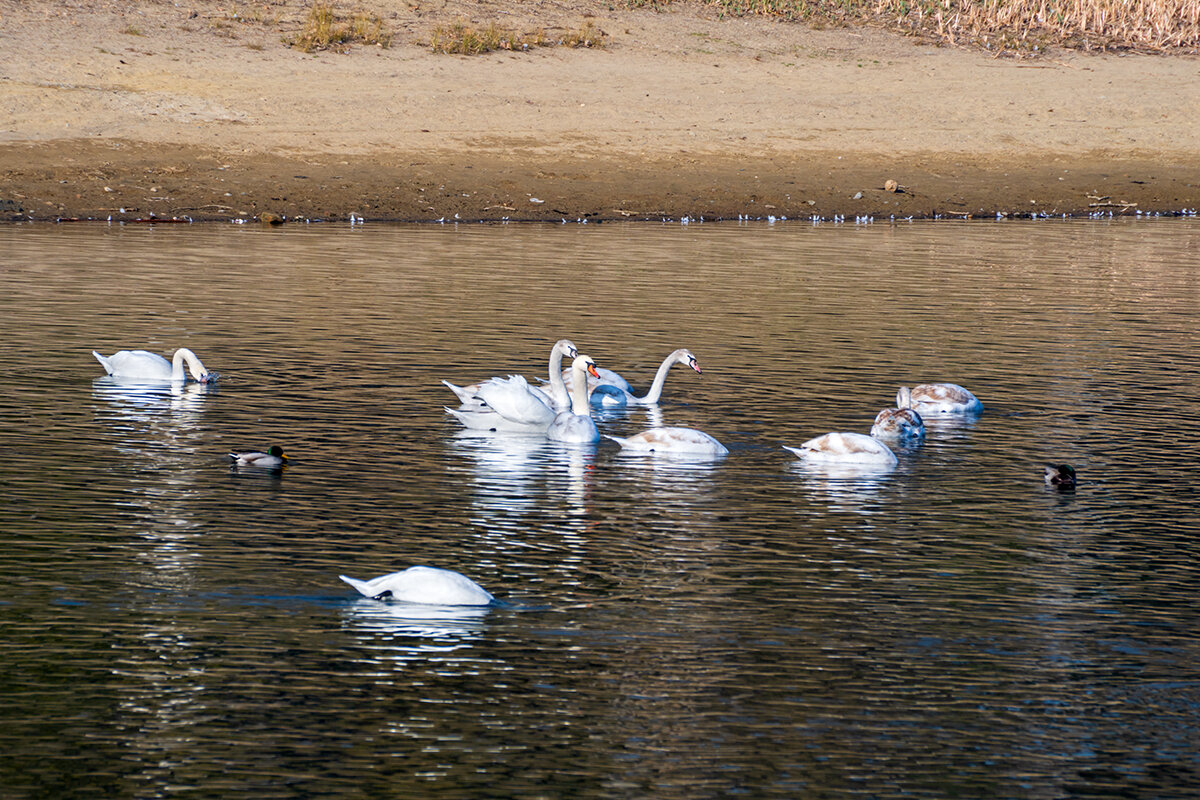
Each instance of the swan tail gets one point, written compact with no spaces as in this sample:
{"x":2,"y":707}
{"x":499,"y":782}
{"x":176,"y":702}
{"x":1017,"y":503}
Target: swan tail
{"x":364,"y":588}
{"x":799,"y":451}
{"x":617,"y":439}
{"x":104,"y":362}
{"x":463,"y":395}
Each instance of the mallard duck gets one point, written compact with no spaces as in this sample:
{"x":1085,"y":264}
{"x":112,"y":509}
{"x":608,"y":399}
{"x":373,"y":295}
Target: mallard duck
{"x":144,"y":365}
{"x":938,"y":398}
{"x":272,"y":459}
{"x":901,"y":425}
{"x":855,"y":449}
{"x":428,"y":585}
{"x":1061,"y":475}
{"x":668,"y":441}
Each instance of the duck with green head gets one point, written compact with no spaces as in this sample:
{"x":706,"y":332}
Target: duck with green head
{"x":1062,"y":475}
{"x":274,"y":458}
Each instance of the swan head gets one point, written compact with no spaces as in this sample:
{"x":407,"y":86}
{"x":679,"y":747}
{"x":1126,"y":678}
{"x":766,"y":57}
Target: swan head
{"x":567,"y":348}
{"x":585,"y":364}
{"x":683,"y":356}
{"x":195,"y":366}
{"x":1061,"y":475}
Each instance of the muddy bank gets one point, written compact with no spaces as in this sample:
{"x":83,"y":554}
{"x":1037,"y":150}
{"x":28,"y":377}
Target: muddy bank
{"x":132,"y":180}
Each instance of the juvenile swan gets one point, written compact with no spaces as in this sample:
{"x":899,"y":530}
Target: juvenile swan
{"x":427,"y":585}
{"x":668,"y":441}
{"x":938,"y":398}
{"x":152,"y":367}
{"x":902,"y":425}
{"x":851,"y":449}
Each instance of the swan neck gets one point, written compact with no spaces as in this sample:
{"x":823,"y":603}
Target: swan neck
{"x":177,"y":363}
{"x":660,"y":378}
{"x":558,"y":389}
{"x":579,"y":398}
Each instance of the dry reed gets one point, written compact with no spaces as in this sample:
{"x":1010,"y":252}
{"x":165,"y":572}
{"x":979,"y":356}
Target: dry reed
{"x":1001,"y":25}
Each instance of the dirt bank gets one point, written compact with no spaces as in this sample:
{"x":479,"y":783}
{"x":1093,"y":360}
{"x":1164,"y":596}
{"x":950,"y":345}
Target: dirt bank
{"x":201,"y":110}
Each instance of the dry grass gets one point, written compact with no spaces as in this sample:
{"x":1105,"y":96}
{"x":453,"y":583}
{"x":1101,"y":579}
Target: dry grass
{"x":461,"y":39}
{"x":1000,"y":25}
{"x":326,"y":29}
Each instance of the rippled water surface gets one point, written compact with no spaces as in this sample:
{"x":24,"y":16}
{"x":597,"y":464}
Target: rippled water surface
{"x":667,"y":629}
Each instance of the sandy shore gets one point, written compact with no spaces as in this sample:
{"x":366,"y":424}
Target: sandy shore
{"x":192,"y":110}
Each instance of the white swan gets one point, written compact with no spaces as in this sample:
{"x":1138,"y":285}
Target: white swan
{"x":613,"y":390}
{"x":144,"y":365}
{"x":901,"y":425}
{"x":938,"y":398}
{"x":556,"y":394}
{"x":507,"y":404}
{"x":427,"y":585}
{"x":852,"y":449}
{"x":576,"y":425}
{"x":666,"y":441}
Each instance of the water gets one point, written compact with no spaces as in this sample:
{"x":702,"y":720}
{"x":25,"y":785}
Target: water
{"x":669,"y":630}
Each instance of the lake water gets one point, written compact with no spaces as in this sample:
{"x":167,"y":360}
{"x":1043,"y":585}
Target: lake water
{"x":667,"y":629}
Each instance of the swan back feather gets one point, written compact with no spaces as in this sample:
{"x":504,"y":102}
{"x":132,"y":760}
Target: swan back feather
{"x":428,"y":585}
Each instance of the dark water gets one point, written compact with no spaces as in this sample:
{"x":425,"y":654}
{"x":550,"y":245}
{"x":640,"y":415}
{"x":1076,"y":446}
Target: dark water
{"x":669,"y":630}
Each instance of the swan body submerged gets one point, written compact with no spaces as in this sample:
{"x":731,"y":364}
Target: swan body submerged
{"x":427,"y":585}
{"x":901,"y":425}
{"x":852,"y":449}
{"x":576,"y":425}
{"x":666,"y":441}
{"x":272,"y":459}
{"x":938,"y":398}
{"x":144,"y":365}
{"x":610,"y":389}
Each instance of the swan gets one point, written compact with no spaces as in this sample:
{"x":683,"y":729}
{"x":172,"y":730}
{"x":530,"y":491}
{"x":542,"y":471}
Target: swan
{"x":274,"y":458}
{"x":557,"y":394}
{"x":855,"y":449}
{"x":901,"y":425}
{"x":151,"y":366}
{"x":613,"y":390}
{"x":938,"y":398}
{"x":1062,"y":476}
{"x":666,"y":441}
{"x":577,"y":425}
{"x":428,"y":585}
{"x":507,"y":404}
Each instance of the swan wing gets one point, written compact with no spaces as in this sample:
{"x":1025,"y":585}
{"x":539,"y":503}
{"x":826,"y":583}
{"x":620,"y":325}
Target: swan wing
{"x":136,"y":364}
{"x":513,"y":399}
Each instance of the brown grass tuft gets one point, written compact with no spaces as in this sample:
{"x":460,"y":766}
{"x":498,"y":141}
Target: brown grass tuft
{"x":461,"y":39}
{"x":326,"y":29}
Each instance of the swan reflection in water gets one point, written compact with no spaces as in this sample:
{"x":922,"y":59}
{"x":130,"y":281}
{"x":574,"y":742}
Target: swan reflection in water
{"x":845,"y":487}
{"x":400,"y":633}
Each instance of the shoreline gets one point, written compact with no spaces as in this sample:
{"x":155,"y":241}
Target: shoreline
{"x":682,"y":115}
{"x":129,"y":181}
